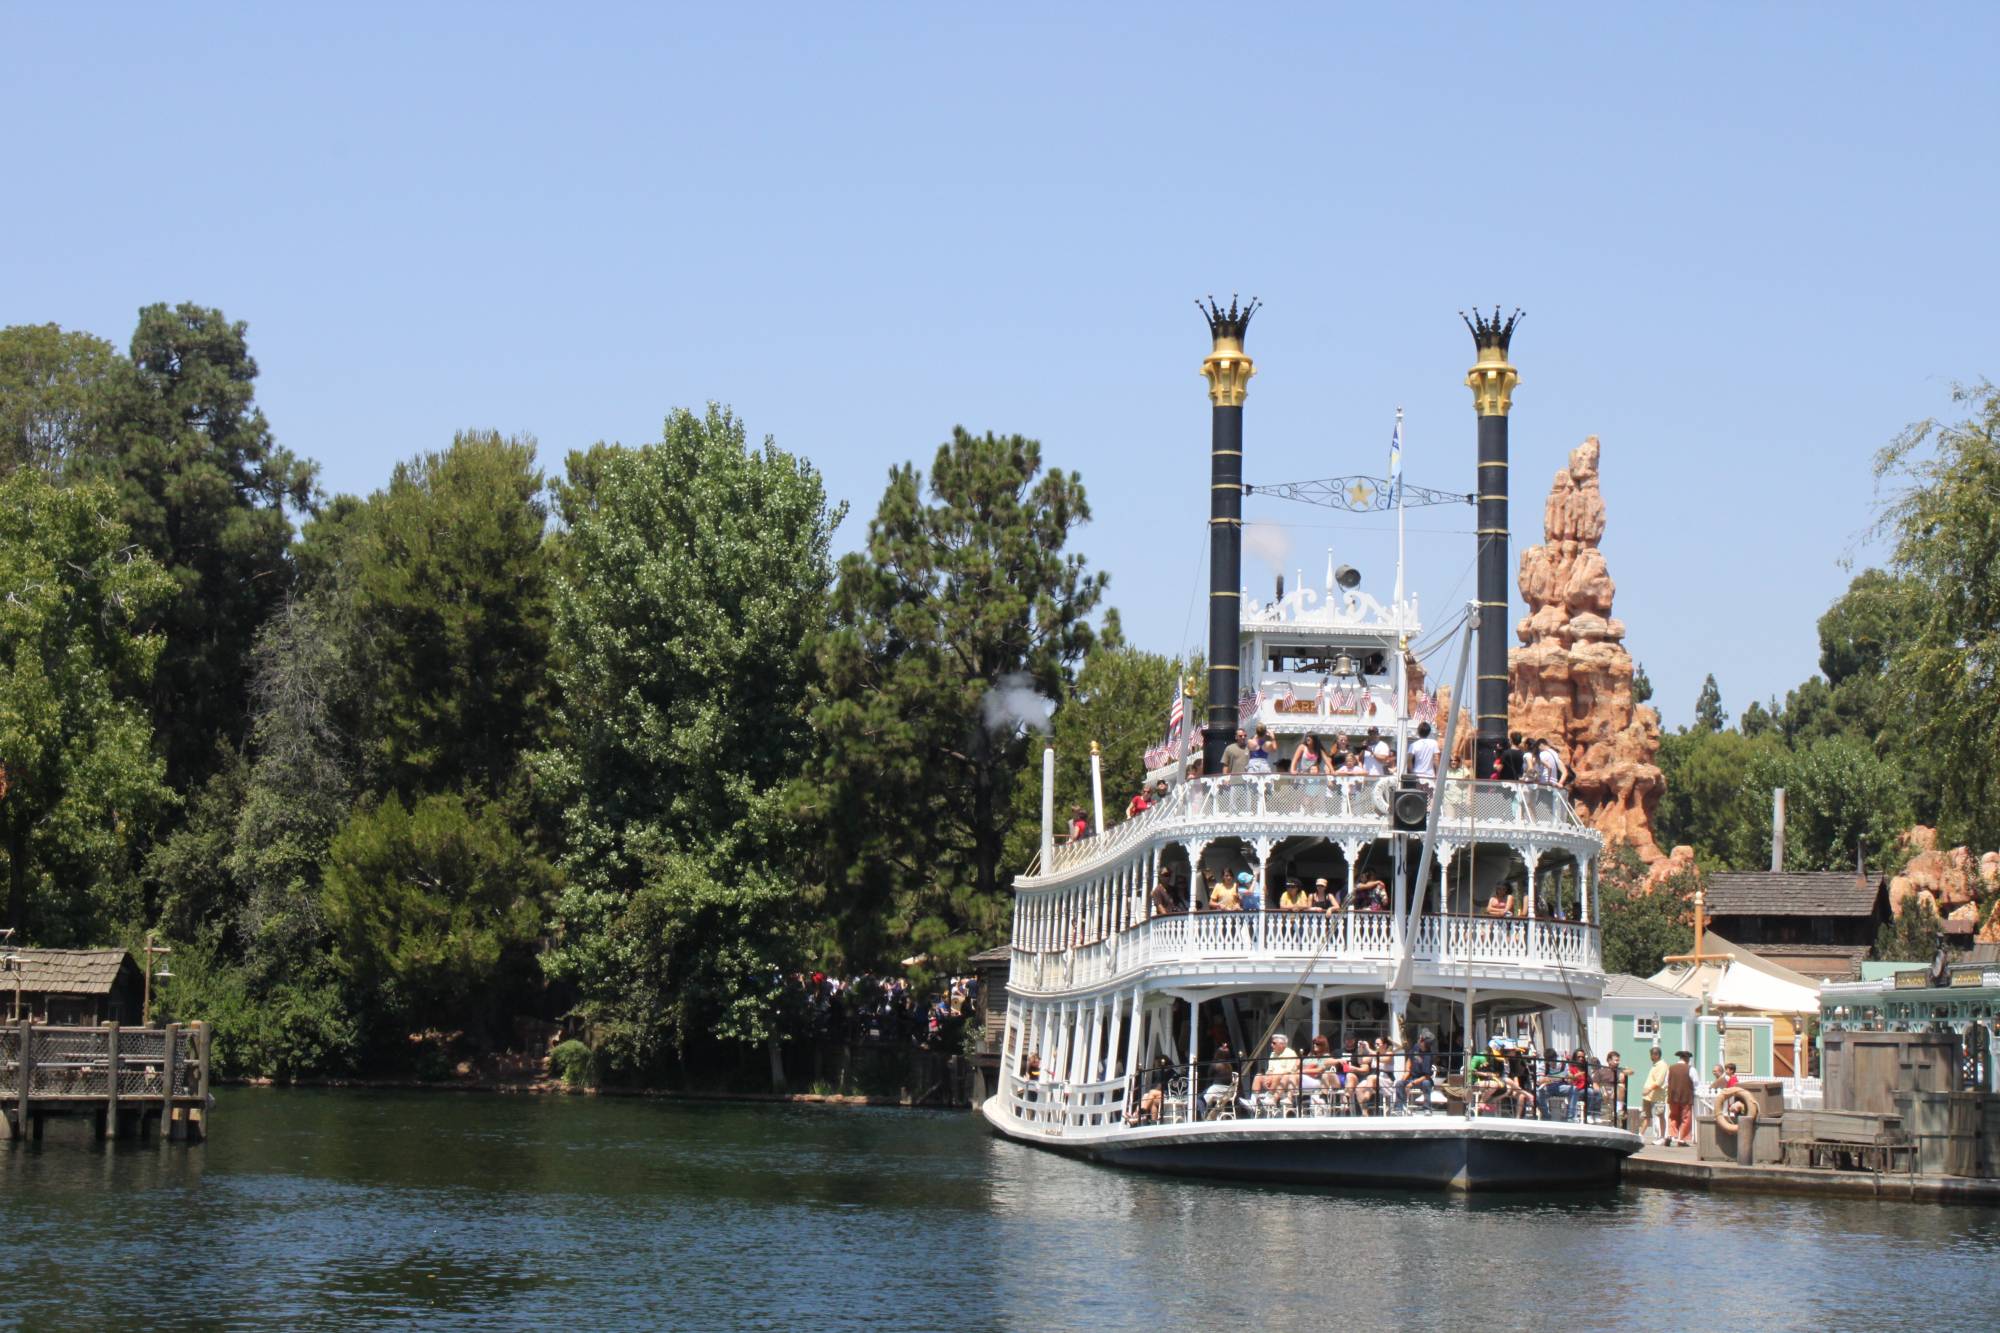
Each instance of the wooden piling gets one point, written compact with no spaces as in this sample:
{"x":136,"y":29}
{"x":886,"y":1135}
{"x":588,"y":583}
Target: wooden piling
{"x":110,"y":1081}
{"x":170,"y":1130}
{"x":24,"y":1066}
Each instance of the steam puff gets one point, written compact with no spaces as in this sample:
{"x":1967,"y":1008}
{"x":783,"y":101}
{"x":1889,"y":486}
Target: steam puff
{"x":1269,"y":543}
{"x":1014,"y":702}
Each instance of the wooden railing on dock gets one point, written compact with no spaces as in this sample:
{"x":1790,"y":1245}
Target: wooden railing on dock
{"x":131,"y":1081}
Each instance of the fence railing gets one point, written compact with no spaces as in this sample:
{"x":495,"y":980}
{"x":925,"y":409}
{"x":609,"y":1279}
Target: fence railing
{"x":103,"y":1064}
{"x":1294,"y":938}
{"x":1471,"y":808}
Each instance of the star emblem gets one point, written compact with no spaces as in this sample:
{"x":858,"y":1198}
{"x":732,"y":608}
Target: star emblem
{"x":1359,"y":494}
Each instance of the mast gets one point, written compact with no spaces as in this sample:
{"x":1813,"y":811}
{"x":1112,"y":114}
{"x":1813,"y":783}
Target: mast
{"x":1228,"y":372}
{"x":1492,"y":380}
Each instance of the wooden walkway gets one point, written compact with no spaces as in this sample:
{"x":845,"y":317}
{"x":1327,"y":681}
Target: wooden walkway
{"x":130,"y":1082}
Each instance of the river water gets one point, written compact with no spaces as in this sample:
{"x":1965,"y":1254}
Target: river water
{"x":315,"y":1209}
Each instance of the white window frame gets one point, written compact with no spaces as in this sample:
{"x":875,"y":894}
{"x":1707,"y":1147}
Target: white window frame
{"x":1639,"y":1027}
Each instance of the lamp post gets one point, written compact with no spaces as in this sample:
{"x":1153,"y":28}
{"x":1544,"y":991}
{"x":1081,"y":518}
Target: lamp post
{"x":12,"y":958}
{"x":146,"y":1002}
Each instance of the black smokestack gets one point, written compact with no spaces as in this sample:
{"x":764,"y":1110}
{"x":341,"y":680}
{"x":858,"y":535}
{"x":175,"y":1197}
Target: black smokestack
{"x":1228,"y":371}
{"x":1492,"y":380}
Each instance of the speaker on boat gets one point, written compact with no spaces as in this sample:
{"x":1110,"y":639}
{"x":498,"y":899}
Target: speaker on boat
{"x":1347,"y":576}
{"x":1410,"y":811}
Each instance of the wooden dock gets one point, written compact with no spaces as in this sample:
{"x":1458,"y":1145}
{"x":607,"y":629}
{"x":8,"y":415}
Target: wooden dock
{"x":148,"y":1083}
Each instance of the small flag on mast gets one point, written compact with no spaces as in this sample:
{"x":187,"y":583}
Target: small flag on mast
{"x":1396,"y":459}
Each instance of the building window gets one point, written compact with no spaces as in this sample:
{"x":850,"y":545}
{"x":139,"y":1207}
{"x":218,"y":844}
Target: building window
{"x":1646,"y":1029}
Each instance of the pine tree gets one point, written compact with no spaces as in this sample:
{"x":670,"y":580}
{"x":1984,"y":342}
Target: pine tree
{"x":1708,"y":714}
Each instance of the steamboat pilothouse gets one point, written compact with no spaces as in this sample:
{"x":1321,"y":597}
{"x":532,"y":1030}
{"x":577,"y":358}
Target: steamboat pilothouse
{"x":1364,"y":1038}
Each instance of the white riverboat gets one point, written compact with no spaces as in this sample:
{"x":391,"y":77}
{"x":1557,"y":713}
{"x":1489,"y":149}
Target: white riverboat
{"x":1124,"y":985}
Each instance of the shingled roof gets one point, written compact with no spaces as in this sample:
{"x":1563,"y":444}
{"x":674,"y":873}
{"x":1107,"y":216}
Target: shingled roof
{"x":1805,"y":893}
{"x":69,"y":971}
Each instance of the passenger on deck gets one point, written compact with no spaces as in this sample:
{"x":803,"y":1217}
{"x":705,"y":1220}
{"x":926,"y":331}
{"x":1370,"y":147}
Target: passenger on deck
{"x":1424,"y":754}
{"x":1236,"y":755}
{"x":1079,"y":824}
{"x":1139,"y":804}
{"x":1371,"y":895}
{"x":1350,"y":765}
{"x":1293,"y":899}
{"x":1308,"y":761}
{"x":1501,"y":901}
{"x":1564,"y":1085}
{"x":1166,"y":894}
{"x":1246,"y":890}
{"x":1280,"y":1078}
{"x":1323,"y":899}
{"x":1155,"y":1095}
{"x":1607,"y":1092}
{"x":1263,"y":752}
{"x":1225,"y":896}
{"x":1221,"y":1069}
{"x":1365,"y":1078}
{"x":1418,"y":1073}
{"x":1316,"y":1070}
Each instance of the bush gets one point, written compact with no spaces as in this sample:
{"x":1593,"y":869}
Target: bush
{"x":575,"y":1064}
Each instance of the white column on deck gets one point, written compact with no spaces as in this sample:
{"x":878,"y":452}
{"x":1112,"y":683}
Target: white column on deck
{"x":1132,"y":1037}
{"x":1193,"y":1046}
{"x":1097,"y":787}
{"x":1533,"y":857}
{"x":1096,"y":1041}
{"x":1048,"y":808}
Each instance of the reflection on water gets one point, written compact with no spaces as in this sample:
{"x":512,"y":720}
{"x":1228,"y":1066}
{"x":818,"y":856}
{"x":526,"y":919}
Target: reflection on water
{"x":316,"y":1208}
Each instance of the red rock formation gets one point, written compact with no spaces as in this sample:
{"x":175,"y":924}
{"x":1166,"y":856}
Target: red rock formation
{"x":1952,"y":882}
{"x":1572,"y":678}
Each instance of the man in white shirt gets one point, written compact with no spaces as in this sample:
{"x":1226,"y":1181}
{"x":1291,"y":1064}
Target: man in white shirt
{"x":1550,"y":763}
{"x":1424,"y":754}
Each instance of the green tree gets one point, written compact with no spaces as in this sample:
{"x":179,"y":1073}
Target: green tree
{"x":449,"y":583}
{"x":1708,"y":714}
{"x":958,"y":629}
{"x":1838,"y":794}
{"x":1642,"y":685}
{"x":82,"y":781}
{"x":1641,"y":924}
{"x":1707,"y":804}
{"x":1942,"y":518}
{"x":434,"y":909}
{"x":56,"y":388}
{"x":206,"y":489}
{"x":692,"y":582}
{"x":1912,"y":937}
{"x":1120,"y":701}
{"x":1757,"y":720}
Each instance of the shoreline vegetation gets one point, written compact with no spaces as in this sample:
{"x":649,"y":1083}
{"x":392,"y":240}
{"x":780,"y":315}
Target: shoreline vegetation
{"x":557,"y":1088}
{"x":611,"y":745}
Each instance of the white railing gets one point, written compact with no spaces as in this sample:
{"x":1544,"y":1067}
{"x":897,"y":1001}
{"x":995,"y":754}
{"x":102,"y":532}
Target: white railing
{"x":1495,"y":810}
{"x":1056,"y":1107}
{"x":1293,"y":938}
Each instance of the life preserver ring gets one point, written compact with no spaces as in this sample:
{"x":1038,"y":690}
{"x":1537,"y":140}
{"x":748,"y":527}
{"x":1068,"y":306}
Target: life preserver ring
{"x":1385,"y":792}
{"x":1726,"y":1115}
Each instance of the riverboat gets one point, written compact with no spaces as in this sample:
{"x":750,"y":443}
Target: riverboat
{"x":1124,"y":985}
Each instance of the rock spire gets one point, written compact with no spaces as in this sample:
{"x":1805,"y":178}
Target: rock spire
{"x":1571,"y":680}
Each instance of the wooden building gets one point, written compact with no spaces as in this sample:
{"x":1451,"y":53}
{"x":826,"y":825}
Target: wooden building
{"x":71,"y":987}
{"x":1818,"y":923}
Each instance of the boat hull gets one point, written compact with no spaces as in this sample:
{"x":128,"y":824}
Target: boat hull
{"x":1414,"y":1153}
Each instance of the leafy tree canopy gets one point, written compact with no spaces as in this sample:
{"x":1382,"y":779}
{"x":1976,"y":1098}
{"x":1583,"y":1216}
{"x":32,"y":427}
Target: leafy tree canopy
{"x":957,"y":631}
{"x":83,"y":783}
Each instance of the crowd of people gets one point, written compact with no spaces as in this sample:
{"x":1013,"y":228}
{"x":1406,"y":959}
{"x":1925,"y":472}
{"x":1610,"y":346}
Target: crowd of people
{"x":1527,"y":759}
{"x":1381,"y":1077}
{"x":872,"y":1009}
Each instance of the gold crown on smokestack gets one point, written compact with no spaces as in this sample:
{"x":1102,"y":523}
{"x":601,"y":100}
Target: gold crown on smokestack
{"x":1492,"y":378}
{"x":1227,"y":369}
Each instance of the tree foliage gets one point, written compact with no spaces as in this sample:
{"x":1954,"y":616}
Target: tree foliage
{"x":207,"y":490}
{"x":1912,"y":937}
{"x":83,"y":783}
{"x":1708,"y":714}
{"x":692,"y":582}
{"x":449,"y":584}
{"x":1643,"y":925}
{"x":957,"y":631}
{"x":1944,"y":517}
{"x":434,"y":909}
{"x":57,"y":388}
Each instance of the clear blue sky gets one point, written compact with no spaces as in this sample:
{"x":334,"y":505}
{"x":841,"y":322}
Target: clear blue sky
{"x":1752,"y":247}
